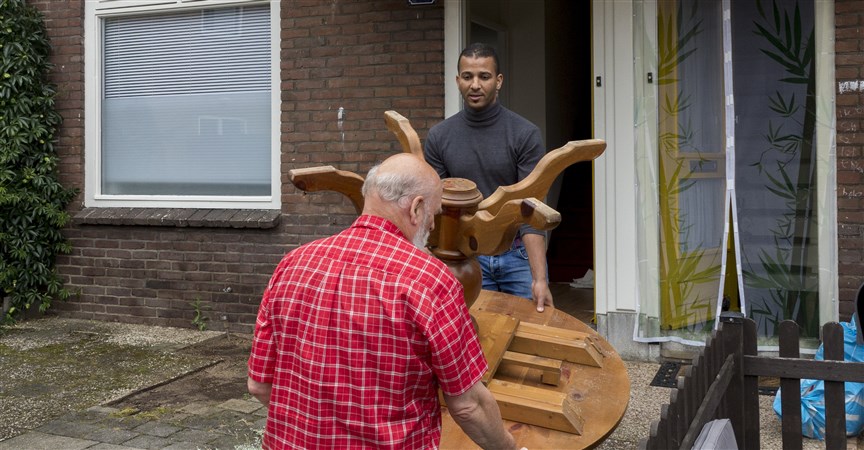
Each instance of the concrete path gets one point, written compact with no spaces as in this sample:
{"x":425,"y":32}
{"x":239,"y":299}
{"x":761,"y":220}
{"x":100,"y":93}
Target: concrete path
{"x":233,"y":424}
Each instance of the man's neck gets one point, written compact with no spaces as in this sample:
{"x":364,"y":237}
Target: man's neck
{"x":483,"y":115}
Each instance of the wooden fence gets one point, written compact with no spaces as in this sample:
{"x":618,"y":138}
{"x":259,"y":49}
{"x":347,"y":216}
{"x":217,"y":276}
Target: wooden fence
{"x":723,"y":383}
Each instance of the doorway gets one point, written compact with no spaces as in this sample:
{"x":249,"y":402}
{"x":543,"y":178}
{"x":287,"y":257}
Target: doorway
{"x":546,"y":53}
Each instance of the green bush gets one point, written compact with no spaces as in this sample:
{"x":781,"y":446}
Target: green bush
{"x":32,"y":200}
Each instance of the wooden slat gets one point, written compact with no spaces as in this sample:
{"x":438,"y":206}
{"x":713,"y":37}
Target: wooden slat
{"x":496,"y":332}
{"x":712,"y":400}
{"x":732,"y":342}
{"x":804,"y":368}
{"x":665,"y":430}
{"x":556,"y":343}
{"x":656,"y":431}
{"x":551,"y":368}
{"x":688,"y":396}
{"x":790,"y":389}
{"x":750,"y":389}
{"x":835,"y":397}
{"x":556,"y":332}
{"x":542,"y":407}
{"x":674,"y":416}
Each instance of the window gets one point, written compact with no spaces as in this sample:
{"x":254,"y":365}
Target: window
{"x":182,"y":104}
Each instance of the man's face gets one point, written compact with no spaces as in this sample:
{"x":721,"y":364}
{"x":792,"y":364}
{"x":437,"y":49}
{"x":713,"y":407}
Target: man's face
{"x":430,"y":209}
{"x":478,"y":82}
{"x":421,"y":237}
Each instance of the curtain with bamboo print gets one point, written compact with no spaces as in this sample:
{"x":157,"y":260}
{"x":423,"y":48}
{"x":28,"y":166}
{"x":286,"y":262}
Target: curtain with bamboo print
{"x":690,"y":267}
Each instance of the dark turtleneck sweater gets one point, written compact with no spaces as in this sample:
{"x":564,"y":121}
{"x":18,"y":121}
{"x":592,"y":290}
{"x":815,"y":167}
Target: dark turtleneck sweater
{"x":493,"y":147}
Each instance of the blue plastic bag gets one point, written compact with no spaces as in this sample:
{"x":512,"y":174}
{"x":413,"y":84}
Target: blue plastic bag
{"x":813,"y":393}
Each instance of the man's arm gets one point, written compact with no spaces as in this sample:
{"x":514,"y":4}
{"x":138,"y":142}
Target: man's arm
{"x":261,"y":391}
{"x":535,"y":245}
{"x":477,"y":413}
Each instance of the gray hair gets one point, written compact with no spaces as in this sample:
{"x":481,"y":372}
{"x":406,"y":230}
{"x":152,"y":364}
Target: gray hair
{"x":393,"y":187}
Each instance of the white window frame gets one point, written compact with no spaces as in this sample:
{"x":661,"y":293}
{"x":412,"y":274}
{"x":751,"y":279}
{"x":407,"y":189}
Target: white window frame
{"x":98,"y":10}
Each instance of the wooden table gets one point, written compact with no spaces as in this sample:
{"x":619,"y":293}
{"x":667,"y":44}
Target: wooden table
{"x":602,"y":394}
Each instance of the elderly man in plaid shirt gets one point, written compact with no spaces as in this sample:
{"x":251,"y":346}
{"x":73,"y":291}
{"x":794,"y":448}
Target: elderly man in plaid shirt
{"x":357,"y":332}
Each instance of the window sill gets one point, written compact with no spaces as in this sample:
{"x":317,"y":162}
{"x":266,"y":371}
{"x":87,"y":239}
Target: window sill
{"x":180,"y":217}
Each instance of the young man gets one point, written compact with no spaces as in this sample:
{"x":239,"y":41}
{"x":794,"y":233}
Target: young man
{"x":493,"y":146}
{"x":357,"y":332}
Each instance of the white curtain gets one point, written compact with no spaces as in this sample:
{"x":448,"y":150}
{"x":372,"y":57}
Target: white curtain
{"x":732,"y":159}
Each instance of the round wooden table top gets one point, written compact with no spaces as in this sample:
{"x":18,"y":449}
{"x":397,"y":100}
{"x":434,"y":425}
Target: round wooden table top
{"x":602,"y":394}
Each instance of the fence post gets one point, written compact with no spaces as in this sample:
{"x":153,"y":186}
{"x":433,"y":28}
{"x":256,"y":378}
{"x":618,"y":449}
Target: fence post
{"x":750,"y":389}
{"x":732,"y":341}
{"x":790,"y":388}
{"x":835,"y":393}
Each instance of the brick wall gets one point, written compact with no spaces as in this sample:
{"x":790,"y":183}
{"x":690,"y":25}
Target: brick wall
{"x":64,"y":20}
{"x":849,"y":48}
{"x":366,"y":57}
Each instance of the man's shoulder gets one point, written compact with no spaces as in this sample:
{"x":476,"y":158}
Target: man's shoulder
{"x":451,"y":121}
{"x":515,"y":118}
{"x":424,"y":265}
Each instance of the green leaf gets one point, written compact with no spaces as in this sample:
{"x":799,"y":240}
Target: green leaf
{"x":32,"y":200}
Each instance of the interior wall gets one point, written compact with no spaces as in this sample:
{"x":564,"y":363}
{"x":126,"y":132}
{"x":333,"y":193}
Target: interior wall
{"x":568,"y":111}
{"x":524,"y":61}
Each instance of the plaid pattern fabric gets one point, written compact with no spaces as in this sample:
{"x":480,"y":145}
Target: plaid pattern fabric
{"x":356,"y":332}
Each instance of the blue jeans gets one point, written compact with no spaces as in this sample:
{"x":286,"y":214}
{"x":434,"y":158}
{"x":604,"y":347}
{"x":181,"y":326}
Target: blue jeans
{"x":508,"y":272}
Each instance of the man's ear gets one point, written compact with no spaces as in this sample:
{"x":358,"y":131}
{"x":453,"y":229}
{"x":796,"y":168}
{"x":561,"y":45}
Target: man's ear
{"x":416,"y":210}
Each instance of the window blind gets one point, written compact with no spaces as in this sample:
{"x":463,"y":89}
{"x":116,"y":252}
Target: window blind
{"x":186,"y":104}
{"x":207,"y":51}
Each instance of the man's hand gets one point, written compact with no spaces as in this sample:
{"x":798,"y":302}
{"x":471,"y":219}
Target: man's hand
{"x":542,"y":294}
{"x":261,"y":391}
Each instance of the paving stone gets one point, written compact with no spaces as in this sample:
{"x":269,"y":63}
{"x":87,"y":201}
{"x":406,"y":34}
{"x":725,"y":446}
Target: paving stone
{"x":68,"y":426}
{"x":222,"y":420}
{"x":157,"y":429}
{"x":190,"y":435}
{"x":104,"y":446}
{"x":196,"y":422}
{"x":230,"y":442}
{"x":36,"y":439}
{"x":94,"y":414}
{"x":126,"y":423}
{"x":145,"y":441}
{"x":200,"y":408}
{"x":174,"y":417}
{"x":187,"y":446}
{"x":232,"y":422}
{"x":244,"y":406}
{"x":111,"y":435}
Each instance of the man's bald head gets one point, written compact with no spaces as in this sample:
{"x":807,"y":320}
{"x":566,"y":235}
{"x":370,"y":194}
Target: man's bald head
{"x":405,"y":190}
{"x":400,"y":177}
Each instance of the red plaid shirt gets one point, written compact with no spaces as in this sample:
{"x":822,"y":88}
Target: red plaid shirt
{"x":356,"y":333}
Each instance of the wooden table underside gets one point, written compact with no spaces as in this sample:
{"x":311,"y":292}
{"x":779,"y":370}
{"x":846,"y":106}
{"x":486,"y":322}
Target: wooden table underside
{"x":601,"y":393}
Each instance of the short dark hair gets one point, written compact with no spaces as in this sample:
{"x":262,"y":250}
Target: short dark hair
{"x":480,"y":50}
